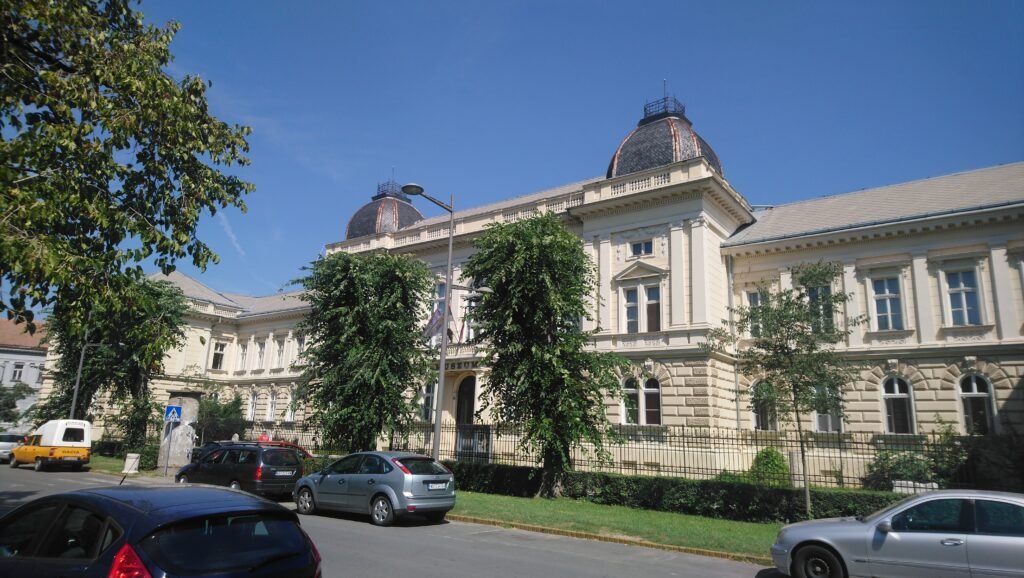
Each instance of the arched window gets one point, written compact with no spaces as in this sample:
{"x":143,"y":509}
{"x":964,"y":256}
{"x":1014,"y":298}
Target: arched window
{"x":642,"y":405}
{"x":976,"y":394}
{"x":765,"y":416}
{"x":896,"y":394}
{"x":271,"y":406}
{"x":289,"y":411}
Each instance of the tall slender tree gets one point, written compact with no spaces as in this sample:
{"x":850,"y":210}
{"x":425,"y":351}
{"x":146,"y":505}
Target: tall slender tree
{"x":543,"y":377}
{"x":789,"y":348}
{"x":365,"y":345}
{"x":105,"y":160}
{"x":125,"y":344}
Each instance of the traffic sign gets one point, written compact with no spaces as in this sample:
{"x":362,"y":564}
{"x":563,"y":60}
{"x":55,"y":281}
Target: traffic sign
{"x":172,"y":413}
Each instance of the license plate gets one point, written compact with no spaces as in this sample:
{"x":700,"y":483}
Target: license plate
{"x":285,"y":473}
{"x":439,"y":486}
{"x":70,"y":459}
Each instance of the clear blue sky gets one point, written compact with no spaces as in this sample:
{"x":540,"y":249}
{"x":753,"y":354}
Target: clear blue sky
{"x":489,"y":100}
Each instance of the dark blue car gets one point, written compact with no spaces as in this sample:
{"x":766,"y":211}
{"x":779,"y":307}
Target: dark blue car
{"x":152,"y":532}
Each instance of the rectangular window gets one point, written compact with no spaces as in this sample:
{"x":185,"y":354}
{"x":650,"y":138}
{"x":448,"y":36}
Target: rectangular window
{"x":280,"y":353}
{"x":888,"y":307}
{"x":427,"y":407}
{"x":653,"y":309}
{"x":641,"y":248}
{"x":821,"y":308}
{"x":831,"y":422}
{"x":300,"y":344}
{"x":218,"y":355}
{"x":261,"y":352}
{"x":963,"y":298}
{"x":632,"y":311}
{"x":753,"y":302}
{"x":19,"y":369}
{"x":243,"y":350}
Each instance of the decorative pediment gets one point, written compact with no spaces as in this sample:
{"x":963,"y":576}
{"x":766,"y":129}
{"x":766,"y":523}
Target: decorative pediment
{"x":640,"y":270}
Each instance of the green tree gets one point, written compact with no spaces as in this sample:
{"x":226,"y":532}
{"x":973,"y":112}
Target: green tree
{"x":366,"y":345}
{"x":9,"y":398}
{"x":220,"y":421}
{"x":105,"y":160}
{"x":789,"y":347}
{"x":125,"y":343}
{"x":542,"y":375}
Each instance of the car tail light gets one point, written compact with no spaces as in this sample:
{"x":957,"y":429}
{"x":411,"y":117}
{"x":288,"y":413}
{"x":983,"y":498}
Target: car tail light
{"x":52,"y":452}
{"x":401,"y":466}
{"x":128,"y":565}
{"x":316,"y":553}
{"x":259,"y":472}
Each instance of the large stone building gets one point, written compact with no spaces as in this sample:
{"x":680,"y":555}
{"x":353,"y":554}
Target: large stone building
{"x":22,"y":358}
{"x":937,"y":265}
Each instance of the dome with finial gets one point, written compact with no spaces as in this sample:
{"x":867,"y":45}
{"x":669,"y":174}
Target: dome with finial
{"x":664,"y":136}
{"x":388,"y":211}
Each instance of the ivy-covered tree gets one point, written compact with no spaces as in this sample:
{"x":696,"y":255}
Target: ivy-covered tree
{"x":543,"y":377}
{"x":125,"y":342}
{"x":788,"y":347}
{"x":105,"y":160}
{"x":365,"y":345}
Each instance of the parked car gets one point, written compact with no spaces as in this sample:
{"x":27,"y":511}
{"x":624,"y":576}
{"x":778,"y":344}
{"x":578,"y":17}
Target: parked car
{"x":59,"y":442}
{"x":9,"y":441}
{"x":148,"y":532}
{"x":199,"y":452}
{"x":256,"y":468}
{"x":384,"y":485}
{"x":948,"y":533}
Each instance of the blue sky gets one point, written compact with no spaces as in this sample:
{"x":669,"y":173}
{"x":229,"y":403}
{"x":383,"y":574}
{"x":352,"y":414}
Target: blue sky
{"x":489,"y":100}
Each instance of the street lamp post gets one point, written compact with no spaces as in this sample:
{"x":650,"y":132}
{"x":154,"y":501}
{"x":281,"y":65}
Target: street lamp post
{"x":416,"y":190}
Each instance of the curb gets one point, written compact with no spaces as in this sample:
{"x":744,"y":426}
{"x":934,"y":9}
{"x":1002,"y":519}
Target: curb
{"x":748,"y":559}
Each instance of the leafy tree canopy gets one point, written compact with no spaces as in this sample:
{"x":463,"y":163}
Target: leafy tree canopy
{"x":220,"y":421}
{"x":105,"y":160}
{"x":542,"y":375}
{"x":125,"y":343}
{"x":9,"y":398}
{"x":366,"y":345}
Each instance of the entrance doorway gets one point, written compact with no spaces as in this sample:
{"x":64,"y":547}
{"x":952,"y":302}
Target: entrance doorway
{"x":472,"y":441}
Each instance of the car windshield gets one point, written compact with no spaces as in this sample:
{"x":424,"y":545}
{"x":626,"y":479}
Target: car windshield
{"x":423,"y":466}
{"x":10,"y":438}
{"x":224,"y":543}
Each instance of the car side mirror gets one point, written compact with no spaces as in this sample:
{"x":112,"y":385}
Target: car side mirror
{"x":885,"y":526}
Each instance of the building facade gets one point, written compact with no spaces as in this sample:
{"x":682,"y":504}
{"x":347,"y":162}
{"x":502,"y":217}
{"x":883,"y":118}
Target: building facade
{"x":936,"y":265}
{"x":22,"y":360}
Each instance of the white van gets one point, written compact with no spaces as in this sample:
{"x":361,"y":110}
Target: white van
{"x":56,"y":442}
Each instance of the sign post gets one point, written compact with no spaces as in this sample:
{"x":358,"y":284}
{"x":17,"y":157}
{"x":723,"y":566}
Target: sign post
{"x":172,"y":415}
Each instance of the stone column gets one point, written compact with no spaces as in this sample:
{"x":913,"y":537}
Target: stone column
{"x":698,"y":274}
{"x":604,"y":282}
{"x":924,"y":314}
{"x":677,"y":274}
{"x":1005,"y":313}
{"x":856,"y":338}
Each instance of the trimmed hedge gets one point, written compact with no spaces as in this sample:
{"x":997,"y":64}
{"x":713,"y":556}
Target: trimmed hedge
{"x":709,"y":498}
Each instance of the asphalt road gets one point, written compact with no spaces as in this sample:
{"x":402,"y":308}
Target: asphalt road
{"x":353,"y":547}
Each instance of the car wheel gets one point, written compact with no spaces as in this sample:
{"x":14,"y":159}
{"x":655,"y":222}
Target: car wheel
{"x":381,"y":512}
{"x":14,"y":463}
{"x":76,"y":467}
{"x":234,"y":485}
{"x":183,"y":479}
{"x":435,"y":517}
{"x":39,"y":465}
{"x":304,"y":501}
{"x":817,"y":562}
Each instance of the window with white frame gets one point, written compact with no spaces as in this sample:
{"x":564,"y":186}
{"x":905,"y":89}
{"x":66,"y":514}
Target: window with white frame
{"x":821,"y":308}
{"x":251,"y":414}
{"x":280,"y":353}
{"x":642,"y":308}
{"x":289,"y":411}
{"x":261,"y":353}
{"x":243,"y":350}
{"x":641,"y":248}
{"x":976,"y":397}
{"x":831,"y":422}
{"x":218,"y":355}
{"x":271,"y":405}
{"x":962,"y":289}
{"x":300,"y":344}
{"x":765,"y":415}
{"x":753,"y":303}
{"x":642,"y":405}
{"x":17,"y":374}
{"x":888,"y":305}
{"x":896,"y":396}
{"x":427,"y":401}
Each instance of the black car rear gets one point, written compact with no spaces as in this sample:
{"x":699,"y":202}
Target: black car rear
{"x":263,"y":470}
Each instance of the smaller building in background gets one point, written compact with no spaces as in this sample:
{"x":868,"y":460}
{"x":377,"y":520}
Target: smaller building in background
{"x":22,"y":359}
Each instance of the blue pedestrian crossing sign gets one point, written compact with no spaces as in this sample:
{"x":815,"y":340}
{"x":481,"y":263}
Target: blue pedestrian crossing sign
{"x":172,"y":414}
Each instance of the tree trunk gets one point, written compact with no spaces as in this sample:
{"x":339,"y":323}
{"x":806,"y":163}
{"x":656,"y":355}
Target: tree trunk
{"x":553,"y":472}
{"x":803,"y":465}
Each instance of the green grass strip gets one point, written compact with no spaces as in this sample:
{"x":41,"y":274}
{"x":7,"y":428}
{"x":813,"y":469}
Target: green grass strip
{"x":743,"y":541}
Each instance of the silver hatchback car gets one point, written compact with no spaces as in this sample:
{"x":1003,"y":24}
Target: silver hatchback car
{"x":384,"y":485}
{"x":948,"y":533}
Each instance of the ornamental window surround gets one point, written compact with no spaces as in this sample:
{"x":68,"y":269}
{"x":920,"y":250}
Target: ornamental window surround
{"x":821,"y":308}
{"x":271,"y":406}
{"x":641,"y":308}
{"x":218,"y":355}
{"x":641,"y":248}
{"x":251,"y":413}
{"x":896,"y":396}
{"x":976,"y":402}
{"x":962,"y":301}
{"x":641,"y":406}
{"x":280,"y":353}
{"x":19,"y":369}
{"x":886,"y":294}
{"x":261,"y":353}
{"x":243,"y":351}
{"x":754,"y":301}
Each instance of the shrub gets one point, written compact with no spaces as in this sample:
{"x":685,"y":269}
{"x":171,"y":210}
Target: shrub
{"x":769,"y":468}
{"x":891,"y":465}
